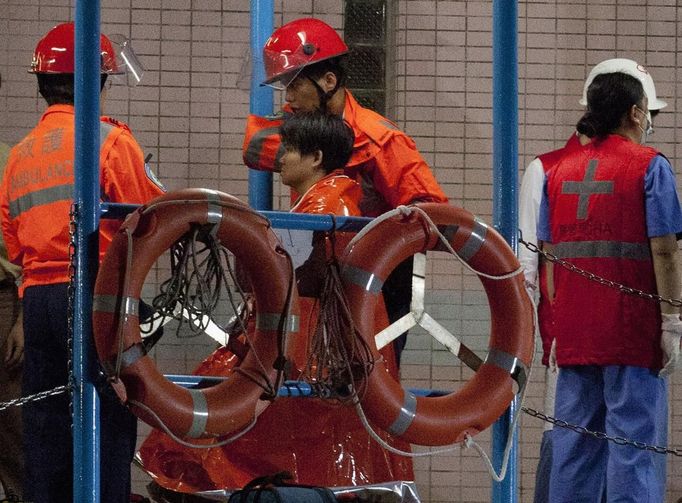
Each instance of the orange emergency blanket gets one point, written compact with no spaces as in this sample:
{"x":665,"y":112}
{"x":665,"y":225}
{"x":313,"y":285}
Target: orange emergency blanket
{"x":318,"y":442}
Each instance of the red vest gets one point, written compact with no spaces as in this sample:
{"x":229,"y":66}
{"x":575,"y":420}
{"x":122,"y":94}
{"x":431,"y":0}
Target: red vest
{"x":549,"y":160}
{"x":597,"y":217}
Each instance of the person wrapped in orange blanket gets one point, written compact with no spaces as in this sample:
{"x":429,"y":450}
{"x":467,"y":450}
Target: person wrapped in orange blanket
{"x":318,"y":442}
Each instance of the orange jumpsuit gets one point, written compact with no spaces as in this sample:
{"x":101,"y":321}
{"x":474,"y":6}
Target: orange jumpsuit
{"x":37,"y":191}
{"x":385,"y":161}
{"x":35,"y":200}
{"x":318,"y":442}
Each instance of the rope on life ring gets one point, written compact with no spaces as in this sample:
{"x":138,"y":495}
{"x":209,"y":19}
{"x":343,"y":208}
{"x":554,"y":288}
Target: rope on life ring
{"x":148,"y":232}
{"x":407,"y":231}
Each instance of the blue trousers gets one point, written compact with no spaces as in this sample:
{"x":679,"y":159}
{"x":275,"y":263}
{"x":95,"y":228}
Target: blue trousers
{"x":544,"y":469}
{"x":623,"y":402}
{"x":47,"y":424}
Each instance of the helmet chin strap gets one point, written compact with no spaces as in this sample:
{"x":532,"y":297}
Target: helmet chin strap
{"x":324,"y":96}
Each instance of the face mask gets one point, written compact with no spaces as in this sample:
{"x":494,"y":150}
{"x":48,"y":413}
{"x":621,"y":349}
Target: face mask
{"x":646,"y":131}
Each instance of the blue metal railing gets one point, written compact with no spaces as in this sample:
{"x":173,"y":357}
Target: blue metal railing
{"x":260,"y":100}
{"x":86,"y":194}
{"x":86,"y":432}
{"x":505,"y":207}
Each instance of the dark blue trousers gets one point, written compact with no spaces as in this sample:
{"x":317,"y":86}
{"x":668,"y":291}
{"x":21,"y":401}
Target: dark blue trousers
{"x":47,"y":424}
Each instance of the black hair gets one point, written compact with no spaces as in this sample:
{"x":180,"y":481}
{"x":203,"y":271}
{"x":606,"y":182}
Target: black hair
{"x":58,"y":88}
{"x":308,"y":132}
{"x":609,"y":98}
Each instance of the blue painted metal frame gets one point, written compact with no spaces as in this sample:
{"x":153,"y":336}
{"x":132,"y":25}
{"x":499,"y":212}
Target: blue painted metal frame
{"x":261,"y":99}
{"x":86,"y":194}
{"x":505,"y":207}
{"x":280,"y":219}
{"x":86,"y":433}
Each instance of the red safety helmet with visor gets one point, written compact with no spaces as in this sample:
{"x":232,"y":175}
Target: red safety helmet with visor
{"x":54,"y":54}
{"x":298,"y":44}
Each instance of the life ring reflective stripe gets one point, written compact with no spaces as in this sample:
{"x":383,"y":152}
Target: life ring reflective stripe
{"x":232,"y":404}
{"x":483,"y":398}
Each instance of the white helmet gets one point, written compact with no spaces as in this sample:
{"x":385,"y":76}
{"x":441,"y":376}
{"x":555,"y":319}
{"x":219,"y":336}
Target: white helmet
{"x":631,"y":68}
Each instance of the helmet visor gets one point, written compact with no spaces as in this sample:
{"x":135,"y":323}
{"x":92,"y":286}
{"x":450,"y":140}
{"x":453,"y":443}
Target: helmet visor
{"x":129,"y":69}
{"x":282,"y":67}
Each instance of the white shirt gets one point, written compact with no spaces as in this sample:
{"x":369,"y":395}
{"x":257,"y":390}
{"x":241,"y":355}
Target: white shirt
{"x":530,"y":197}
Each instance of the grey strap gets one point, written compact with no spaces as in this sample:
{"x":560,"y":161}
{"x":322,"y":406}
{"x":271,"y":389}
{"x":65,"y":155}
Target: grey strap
{"x":366,"y":280}
{"x":109,"y":303}
{"x":406,"y":415}
{"x":516,"y":368}
{"x":475,"y":241}
{"x":271,"y":322}
{"x":215,"y":212}
{"x":199,"y":415}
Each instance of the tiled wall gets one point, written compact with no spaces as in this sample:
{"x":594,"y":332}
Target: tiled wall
{"x":189,"y":110}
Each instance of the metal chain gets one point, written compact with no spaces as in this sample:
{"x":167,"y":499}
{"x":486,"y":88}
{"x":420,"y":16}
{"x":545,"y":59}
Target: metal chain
{"x":601,"y":435}
{"x":598,"y":279}
{"x":71,"y":300}
{"x":68,"y":388}
{"x":18,"y":402}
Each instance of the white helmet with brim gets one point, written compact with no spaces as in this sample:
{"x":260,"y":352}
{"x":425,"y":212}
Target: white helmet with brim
{"x":631,"y":68}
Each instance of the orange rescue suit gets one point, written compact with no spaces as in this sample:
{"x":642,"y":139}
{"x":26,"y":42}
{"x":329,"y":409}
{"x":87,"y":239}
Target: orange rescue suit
{"x":318,"y":442}
{"x":37,"y":191}
{"x":385,"y":161}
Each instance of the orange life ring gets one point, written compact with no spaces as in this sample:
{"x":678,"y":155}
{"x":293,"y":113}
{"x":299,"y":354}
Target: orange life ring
{"x":443,"y":419}
{"x":233,"y":404}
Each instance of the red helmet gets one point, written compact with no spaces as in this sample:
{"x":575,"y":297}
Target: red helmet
{"x":298,"y":44}
{"x":55,"y":52}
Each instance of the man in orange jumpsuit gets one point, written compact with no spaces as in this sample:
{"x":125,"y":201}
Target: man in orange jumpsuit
{"x":35,"y":199}
{"x":319,"y":443}
{"x":304,"y":57}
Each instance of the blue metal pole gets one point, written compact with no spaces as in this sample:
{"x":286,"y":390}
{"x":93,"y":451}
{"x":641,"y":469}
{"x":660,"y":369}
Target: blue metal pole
{"x":261,"y":103}
{"x":505,"y":209}
{"x":86,"y":442}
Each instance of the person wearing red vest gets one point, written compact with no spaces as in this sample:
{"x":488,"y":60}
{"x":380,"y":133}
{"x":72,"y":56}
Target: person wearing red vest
{"x":530,"y":196}
{"x":318,"y":442}
{"x":35,"y":201}
{"x":304,"y":57}
{"x":611,"y":208}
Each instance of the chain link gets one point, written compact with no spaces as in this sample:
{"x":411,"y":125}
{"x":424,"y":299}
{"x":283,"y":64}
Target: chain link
{"x":601,"y":435}
{"x":71,"y":299}
{"x":18,"y":402}
{"x":71,"y":292}
{"x":598,"y":279}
